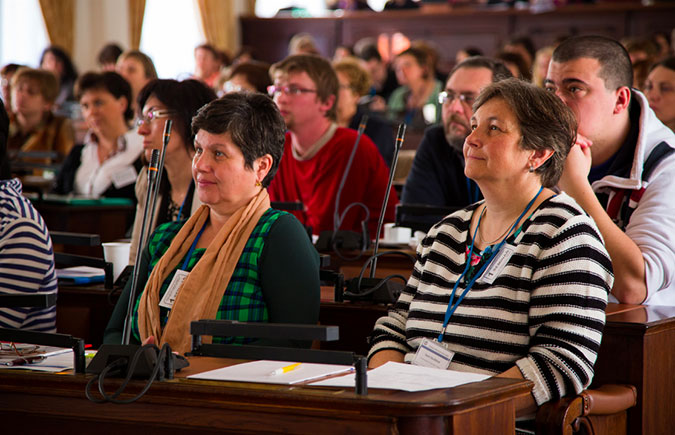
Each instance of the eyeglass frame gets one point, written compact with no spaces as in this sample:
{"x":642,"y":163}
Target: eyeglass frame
{"x":155,"y":114}
{"x":445,"y":97}
{"x":292,"y":90}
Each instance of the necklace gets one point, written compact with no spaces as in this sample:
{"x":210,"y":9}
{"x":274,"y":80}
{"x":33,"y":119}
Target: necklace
{"x":501,"y":236}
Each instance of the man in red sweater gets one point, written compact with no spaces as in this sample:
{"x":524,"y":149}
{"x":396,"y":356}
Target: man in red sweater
{"x":316,"y":152}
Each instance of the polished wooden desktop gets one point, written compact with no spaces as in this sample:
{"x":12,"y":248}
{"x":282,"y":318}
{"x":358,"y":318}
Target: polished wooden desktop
{"x":49,"y":403}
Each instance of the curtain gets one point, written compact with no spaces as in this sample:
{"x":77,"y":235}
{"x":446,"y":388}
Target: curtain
{"x":59,"y":18}
{"x":219,"y":22}
{"x":136,"y":13}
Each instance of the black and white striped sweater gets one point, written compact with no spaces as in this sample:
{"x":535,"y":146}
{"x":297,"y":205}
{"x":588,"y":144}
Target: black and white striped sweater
{"x":544,"y":312}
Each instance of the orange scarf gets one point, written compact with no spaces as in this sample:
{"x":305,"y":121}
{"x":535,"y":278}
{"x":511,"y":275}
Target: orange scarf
{"x":203,"y":289}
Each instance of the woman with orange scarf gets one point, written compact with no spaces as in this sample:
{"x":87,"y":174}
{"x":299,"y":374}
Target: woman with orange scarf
{"x":235,"y":258}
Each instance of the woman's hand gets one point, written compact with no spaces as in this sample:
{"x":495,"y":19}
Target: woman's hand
{"x":384,"y":356}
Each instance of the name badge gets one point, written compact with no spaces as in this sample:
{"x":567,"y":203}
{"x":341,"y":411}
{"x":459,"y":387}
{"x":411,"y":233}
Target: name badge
{"x":176,"y":283}
{"x":433,"y":354}
{"x":124,"y":177}
{"x":497,"y":264}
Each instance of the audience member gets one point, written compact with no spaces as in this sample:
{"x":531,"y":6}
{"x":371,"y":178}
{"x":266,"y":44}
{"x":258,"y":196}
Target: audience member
{"x":660,"y":91}
{"x":540,"y":67}
{"x":56,"y":60}
{"x":108,"y":56}
{"x":34,"y":128}
{"x":302,"y":43}
{"x":641,"y":49}
{"x":233,"y":253}
{"x":415,"y":102}
{"x":6,"y":74}
{"x":662,"y":41}
{"x":383,"y":78}
{"x":138,"y":69}
{"x":466,"y":53}
{"x":640,"y":73}
{"x":437,"y":174}
{"x":246,"y":53}
{"x":250,"y":76}
{"x":26,"y":256}
{"x":108,"y":162}
{"x":317,"y":152}
{"x":621,"y":168}
{"x":177,"y":197}
{"x":342,"y":52}
{"x":208,"y":63}
{"x":354,"y":83}
{"x":538,"y":316}
{"x":516,"y":64}
{"x":523,"y":46}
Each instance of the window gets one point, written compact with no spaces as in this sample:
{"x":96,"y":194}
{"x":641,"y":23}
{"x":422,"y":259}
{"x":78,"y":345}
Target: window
{"x":22,"y":32}
{"x":171,"y":31}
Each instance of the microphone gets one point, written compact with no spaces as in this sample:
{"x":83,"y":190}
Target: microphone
{"x":125,"y":358}
{"x":380,"y":290}
{"x":348,"y":240}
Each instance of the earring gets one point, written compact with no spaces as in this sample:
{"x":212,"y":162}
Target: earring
{"x":531,"y":168}
{"x":258,"y":183}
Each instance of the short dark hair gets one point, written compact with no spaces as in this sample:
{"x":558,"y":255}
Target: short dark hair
{"x":525,"y":42}
{"x":499,"y":70}
{"x":109,"y":54}
{"x":545,"y":122}
{"x":69,"y":71}
{"x":256,"y":73}
{"x":366,"y":49}
{"x":615,"y":66}
{"x":518,"y":60}
{"x":46,"y":80}
{"x":108,"y":81}
{"x":319,"y":70}
{"x":253,"y":122}
{"x":184,"y":99}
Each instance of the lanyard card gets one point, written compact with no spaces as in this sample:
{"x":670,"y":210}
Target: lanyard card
{"x":433,"y":354}
{"x":497,"y":264}
{"x":176,"y":283}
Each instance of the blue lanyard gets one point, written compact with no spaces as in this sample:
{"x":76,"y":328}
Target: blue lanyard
{"x":189,"y":192}
{"x":452,"y":305}
{"x":192,"y":248}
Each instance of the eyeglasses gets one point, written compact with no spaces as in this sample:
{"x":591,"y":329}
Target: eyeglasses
{"x":449,"y":97}
{"x":155,"y":114}
{"x":231,"y":87}
{"x":288,"y":90}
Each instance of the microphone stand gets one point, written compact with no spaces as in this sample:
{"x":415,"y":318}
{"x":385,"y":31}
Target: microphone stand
{"x":154,"y":169}
{"x":380,"y":290}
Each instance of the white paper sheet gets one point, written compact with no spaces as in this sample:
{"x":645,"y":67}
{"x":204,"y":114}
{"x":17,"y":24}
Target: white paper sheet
{"x":407,"y":377}
{"x":260,"y":371}
{"x":54,"y":363}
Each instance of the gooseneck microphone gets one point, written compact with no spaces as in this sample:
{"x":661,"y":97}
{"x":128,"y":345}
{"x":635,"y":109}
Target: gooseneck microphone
{"x":154,"y":176}
{"x":400,"y":135}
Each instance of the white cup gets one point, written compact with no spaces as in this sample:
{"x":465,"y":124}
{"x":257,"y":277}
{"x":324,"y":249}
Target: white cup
{"x":117,"y":253}
{"x":394,"y":234}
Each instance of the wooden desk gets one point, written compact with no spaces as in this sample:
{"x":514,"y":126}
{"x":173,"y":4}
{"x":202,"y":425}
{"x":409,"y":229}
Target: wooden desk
{"x":386,"y":265}
{"x":84,"y":312}
{"x":638,"y":348}
{"x":47,"y":403}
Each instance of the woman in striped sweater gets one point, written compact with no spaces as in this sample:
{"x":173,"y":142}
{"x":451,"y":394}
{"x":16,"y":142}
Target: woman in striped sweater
{"x":515,"y":285}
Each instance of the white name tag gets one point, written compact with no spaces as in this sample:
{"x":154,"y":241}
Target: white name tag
{"x":124,"y":177}
{"x":176,"y":283}
{"x":433,"y":354}
{"x":497,"y":264}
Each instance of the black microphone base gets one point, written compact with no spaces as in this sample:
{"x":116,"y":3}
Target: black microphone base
{"x":110,"y":353}
{"x":386,"y":293}
{"x":342,"y":240}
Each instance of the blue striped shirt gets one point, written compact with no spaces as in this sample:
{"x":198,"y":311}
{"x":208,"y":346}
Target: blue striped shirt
{"x":26,"y":259}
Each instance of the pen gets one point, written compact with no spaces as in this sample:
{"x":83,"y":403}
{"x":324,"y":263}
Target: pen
{"x":282,"y":370}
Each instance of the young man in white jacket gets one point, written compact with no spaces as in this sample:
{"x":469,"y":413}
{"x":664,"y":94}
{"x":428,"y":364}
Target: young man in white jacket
{"x":622,"y":168}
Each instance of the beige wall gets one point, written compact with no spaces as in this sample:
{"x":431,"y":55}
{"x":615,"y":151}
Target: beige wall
{"x":98,"y":22}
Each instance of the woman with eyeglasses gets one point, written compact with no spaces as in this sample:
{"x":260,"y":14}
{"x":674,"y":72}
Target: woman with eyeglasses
{"x":179,"y":101}
{"x":107,"y":164}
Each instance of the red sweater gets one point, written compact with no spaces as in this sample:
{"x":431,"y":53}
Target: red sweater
{"x":315,"y":182}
